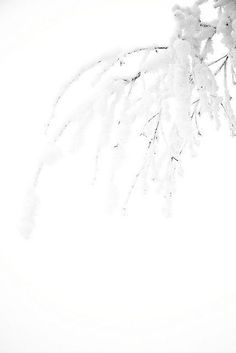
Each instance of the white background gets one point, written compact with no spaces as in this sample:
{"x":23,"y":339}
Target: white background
{"x":89,"y":281}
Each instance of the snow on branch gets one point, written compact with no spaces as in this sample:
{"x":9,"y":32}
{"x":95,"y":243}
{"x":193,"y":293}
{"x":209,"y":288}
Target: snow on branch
{"x":160,"y":93}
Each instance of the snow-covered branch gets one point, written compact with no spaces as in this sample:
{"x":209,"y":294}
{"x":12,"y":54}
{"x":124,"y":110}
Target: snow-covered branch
{"x":161,"y":93}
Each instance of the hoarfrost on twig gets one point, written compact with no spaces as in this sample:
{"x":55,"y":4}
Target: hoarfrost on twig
{"x":161,"y":94}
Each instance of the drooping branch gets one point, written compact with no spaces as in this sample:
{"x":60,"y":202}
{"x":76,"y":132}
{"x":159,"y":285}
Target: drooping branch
{"x":109,"y":62}
{"x":161,"y":93}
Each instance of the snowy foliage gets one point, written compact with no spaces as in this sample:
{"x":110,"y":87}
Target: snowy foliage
{"x":160,"y":93}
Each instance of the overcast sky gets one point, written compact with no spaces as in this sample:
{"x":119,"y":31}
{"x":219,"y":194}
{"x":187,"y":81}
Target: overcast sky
{"x":89,"y":281}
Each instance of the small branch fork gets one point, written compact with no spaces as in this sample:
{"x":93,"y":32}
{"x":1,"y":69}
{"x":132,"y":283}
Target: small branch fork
{"x":216,"y":61}
{"x":222,"y":65}
{"x":150,"y":143}
{"x":147,"y":122}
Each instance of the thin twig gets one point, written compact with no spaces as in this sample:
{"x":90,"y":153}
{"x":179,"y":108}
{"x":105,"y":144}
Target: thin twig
{"x":221,"y":66}
{"x":76,"y":77}
{"x":216,"y":61}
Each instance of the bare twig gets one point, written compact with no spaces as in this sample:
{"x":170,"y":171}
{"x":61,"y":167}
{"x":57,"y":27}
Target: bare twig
{"x":216,"y":61}
{"x":221,"y":66}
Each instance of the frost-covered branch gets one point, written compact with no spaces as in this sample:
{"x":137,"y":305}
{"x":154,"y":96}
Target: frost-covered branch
{"x":161,"y":94}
